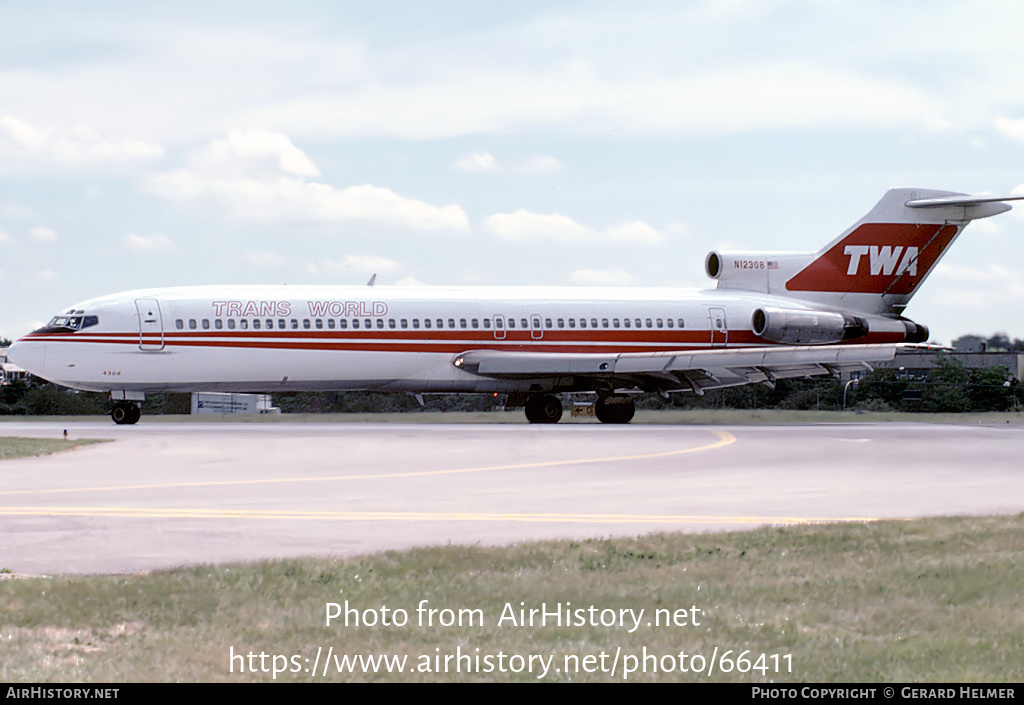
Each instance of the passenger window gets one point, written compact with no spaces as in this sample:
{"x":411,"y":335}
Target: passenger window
{"x":380,"y":323}
{"x":583,"y":323}
{"x":320,"y":323}
{"x":660,"y":323}
{"x":604,"y":322}
{"x":572,"y":322}
{"x":391,"y":323}
{"x":206,"y":324}
{"x":680,"y":322}
{"x":426,"y":323}
{"x":524,"y":322}
{"x":547,"y":323}
{"x":270,"y":323}
{"x":405,"y":323}
{"x":342,"y":323}
{"x":561,"y":323}
{"x":451,"y":322}
{"x":511,"y":323}
{"x":668,"y":322}
{"x":231,"y":323}
{"x":615,"y":323}
{"x":330,"y":323}
{"x":305,"y":323}
{"x":355,"y":322}
{"x":637,"y":321}
{"x":192,"y":325}
{"x":593,"y":323}
{"x":179,"y":324}
{"x":416,"y":323}
{"x":487,"y":323}
{"x":462,"y":323}
{"x":475,"y":322}
{"x":218,"y":324}
{"x":280,"y":323}
{"x":243,"y":323}
{"x":648,"y":322}
{"x":256,"y":323}
{"x":625,"y":323}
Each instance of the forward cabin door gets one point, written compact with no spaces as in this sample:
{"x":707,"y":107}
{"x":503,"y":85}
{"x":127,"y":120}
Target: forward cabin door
{"x":719,"y":327}
{"x":151,"y":324}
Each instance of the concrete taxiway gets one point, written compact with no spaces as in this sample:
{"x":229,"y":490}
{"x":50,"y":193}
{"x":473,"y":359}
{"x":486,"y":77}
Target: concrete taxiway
{"x":170,"y":494}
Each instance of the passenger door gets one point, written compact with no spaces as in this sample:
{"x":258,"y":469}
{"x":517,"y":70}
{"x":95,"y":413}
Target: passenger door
{"x":151,"y":324}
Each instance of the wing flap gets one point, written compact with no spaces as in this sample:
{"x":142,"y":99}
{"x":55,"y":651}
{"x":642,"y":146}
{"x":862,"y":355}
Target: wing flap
{"x":681,"y":370}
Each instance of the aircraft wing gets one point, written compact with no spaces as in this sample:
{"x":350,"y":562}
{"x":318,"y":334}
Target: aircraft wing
{"x":695,"y":371}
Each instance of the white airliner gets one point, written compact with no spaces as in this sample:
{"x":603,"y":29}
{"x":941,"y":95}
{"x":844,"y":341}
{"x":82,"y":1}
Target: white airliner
{"x":771,"y":316}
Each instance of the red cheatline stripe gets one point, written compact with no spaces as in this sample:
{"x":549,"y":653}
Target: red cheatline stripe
{"x":449,"y":344}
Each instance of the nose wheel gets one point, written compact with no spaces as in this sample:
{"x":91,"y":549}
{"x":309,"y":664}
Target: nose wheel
{"x":126,"y":412}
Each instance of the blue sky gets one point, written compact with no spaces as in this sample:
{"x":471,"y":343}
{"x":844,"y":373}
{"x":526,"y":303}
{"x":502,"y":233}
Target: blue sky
{"x":494,"y":143}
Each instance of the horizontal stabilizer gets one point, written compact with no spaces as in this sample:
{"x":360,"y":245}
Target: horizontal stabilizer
{"x":958,"y":201}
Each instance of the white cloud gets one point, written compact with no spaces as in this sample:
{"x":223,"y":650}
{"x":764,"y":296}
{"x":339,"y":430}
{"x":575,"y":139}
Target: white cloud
{"x":523,"y":226}
{"x":43,"y":234}
{"x":409,"y":281}
{"x":601,"y":277}
{"x":153,"y":243}
{"x":539,"y":164}
{"x":1011,"y":128}
{"x":635,"y":232}
{"x":363,"y":265}
{"x":260,"y":176}
{"x":5,"y":239}
{"x":253,"y":154}
{"x":16,"y":211}
{"x":265,"y":259}
{"x":479,"y":162}
{"x":77,"y":146}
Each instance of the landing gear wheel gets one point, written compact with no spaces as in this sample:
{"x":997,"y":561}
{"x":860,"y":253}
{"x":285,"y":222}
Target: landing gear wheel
{"x":126,"y":413}
{"x":614,"y":409}
{"x":543,"y":408}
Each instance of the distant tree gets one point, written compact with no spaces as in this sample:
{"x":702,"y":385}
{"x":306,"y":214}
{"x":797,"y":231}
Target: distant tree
{"x":947,"y":386}
{"x":881,"y":386}
{"x":999,"y":341}
{"x":4,"y":342}
{"x":988,"y":390}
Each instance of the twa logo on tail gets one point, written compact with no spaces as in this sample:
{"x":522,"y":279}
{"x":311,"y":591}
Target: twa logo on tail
{"x":883,"y":259}
{"x":877,"y":258}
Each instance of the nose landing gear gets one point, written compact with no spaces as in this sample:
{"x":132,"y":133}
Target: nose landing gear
{"x":126,"y":412}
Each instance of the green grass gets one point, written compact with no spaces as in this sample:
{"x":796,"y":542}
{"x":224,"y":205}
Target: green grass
{"x":12,"y":447}
{"x":934,"y":600}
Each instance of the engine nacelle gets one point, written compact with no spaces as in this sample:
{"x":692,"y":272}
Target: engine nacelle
{"x":799,"y":327}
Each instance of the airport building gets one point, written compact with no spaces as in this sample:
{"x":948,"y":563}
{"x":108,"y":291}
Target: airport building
{"x":9,"y":372}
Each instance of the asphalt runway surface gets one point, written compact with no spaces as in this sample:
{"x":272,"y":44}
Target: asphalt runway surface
{"x":168,"y":494}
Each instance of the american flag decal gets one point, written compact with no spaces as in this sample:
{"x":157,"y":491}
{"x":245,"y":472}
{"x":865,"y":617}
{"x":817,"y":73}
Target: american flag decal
{"x":773,"y":264}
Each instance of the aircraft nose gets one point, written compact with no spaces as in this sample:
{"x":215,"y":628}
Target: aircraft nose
{"x":29,"y":355}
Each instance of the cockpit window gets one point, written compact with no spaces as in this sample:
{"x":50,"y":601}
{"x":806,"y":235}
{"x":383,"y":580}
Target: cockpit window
{"x":71,"y":322}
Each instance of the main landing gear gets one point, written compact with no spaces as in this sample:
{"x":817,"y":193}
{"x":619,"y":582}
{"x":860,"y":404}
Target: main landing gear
{"x":543,"y":408}
{"x":126,"y":412}
{"x":614,"y":408}
{"x":611,"y":408}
